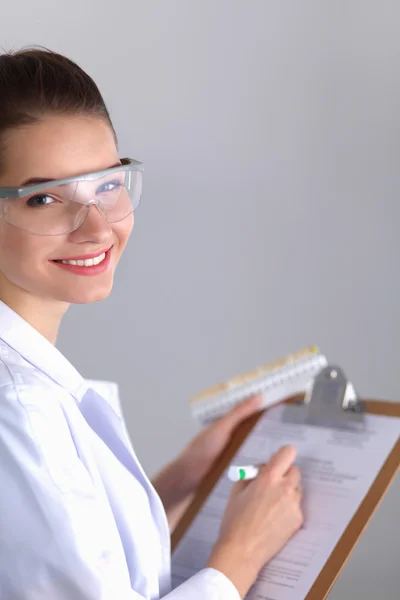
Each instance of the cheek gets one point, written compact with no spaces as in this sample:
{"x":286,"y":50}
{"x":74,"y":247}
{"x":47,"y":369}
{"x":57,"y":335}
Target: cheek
{"x":13,"y":249}
{"x":122,"y":231}
{"x":22,"y":256}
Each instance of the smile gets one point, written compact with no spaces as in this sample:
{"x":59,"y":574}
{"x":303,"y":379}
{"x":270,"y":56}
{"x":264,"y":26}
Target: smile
{"x":92,"y":265}
{"x":87,"y":262}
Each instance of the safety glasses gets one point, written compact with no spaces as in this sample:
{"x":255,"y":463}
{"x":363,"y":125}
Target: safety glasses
{"x":60,"y":206}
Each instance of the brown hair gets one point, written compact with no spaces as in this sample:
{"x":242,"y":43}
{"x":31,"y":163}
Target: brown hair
{"x":35,"y":82}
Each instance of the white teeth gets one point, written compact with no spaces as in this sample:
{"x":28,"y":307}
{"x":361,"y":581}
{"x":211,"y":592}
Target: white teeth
{"x":89,"y":262}
{"x":99,"y":259}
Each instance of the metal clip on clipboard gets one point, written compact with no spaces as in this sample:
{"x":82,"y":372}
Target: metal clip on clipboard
{"x":330,"y":401}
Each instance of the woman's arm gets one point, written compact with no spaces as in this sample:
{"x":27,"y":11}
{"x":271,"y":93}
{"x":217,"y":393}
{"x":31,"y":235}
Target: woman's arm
{"x":175,"y":489}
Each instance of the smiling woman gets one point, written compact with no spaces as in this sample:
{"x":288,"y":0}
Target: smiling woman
{"x":79,"y":519}
{"x":40,"y":108}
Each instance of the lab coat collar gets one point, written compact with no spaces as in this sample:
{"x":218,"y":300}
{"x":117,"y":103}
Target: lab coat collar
{"x":39,"y":352}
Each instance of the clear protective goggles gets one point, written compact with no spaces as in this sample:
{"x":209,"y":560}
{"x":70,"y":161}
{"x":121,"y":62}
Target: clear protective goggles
{"x":60,"y":206}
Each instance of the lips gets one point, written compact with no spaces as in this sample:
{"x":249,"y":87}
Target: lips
{"x":87,"y":262}
{"x":94,"y":264}
{"x":83,"y":257}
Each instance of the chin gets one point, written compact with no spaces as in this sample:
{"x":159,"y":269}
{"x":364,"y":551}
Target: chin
{"x":93,"y":293}
{"x":89,"y":298}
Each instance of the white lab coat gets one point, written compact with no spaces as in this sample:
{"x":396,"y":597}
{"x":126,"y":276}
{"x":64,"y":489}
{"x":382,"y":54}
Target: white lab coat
{"x":79,"y":519}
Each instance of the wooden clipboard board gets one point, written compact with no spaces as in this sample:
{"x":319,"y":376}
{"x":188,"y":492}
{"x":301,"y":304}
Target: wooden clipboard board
{"x":343,"y":548}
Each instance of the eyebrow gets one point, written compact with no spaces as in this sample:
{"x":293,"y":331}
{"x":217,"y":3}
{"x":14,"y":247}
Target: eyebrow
{"x":33,"y":180}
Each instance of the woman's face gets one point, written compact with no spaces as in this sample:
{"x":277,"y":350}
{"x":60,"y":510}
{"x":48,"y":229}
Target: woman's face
{"x":60,"y":147}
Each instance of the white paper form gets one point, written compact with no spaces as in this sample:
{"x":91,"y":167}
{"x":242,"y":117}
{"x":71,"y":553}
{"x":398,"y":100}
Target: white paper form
{"x":338,"y":467}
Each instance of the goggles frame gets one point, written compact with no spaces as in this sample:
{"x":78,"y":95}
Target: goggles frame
{"x":128,"y":164}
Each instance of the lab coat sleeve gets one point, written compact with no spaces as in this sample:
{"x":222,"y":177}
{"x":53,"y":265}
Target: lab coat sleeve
{"x":46,"y":552}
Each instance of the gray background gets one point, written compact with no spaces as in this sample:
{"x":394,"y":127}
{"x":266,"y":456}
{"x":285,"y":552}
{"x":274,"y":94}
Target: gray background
{"x":270,"y":135}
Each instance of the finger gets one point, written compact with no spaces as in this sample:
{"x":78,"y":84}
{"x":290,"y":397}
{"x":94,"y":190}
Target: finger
{"x":244,"y":409}
{"x":262,"y":466}
{"x":293,"y":476}
{"x":239,"y":486}
{"x":282,"y":460}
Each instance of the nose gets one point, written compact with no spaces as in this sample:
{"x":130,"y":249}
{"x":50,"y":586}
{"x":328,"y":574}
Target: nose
{"x":94,"y":227}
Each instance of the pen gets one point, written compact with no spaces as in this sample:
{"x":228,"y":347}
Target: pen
{"x":236,"y":473}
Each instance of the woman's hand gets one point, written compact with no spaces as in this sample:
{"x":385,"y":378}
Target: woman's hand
{"x":177,"y":483}
{"x":200,"y":454}
{"x":261,"y":516}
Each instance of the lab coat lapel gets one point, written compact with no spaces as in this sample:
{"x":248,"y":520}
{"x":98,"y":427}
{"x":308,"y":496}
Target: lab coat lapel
{"x":102,"y":418}
{"x":109,"y":427}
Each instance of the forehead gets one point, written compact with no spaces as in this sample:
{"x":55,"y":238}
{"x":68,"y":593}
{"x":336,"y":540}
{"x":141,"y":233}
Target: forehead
{"x":57,"y":147}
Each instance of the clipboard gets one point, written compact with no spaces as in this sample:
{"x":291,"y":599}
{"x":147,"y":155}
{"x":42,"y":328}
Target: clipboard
{"x":338,"y":558}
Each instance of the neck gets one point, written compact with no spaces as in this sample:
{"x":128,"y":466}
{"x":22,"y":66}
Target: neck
{"x":43,"y":314}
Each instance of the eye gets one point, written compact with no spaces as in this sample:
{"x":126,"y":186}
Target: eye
{"x":40,"y":200}
{"x":109,"y":186}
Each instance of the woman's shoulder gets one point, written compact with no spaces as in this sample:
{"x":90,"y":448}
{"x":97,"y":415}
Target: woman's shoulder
{"x":15,"y":371}
{"x":32,"y":419}
{"x":22,"y":385}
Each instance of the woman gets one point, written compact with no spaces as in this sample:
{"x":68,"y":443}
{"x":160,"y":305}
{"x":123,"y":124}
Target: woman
{"x":79,"y":519}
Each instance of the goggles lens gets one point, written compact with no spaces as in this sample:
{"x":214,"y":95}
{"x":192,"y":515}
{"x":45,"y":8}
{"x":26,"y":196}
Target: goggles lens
{"x":60,"y":209}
